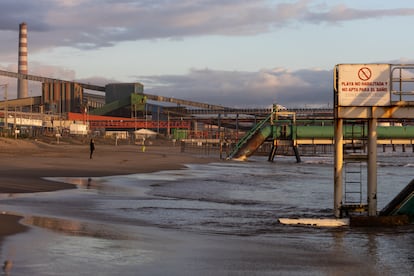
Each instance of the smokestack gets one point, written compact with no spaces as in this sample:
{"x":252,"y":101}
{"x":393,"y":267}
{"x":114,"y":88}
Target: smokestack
{"x":22,"y":83}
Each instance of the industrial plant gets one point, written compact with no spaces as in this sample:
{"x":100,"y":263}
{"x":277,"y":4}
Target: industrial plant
{"x":372,"y":107}
{"x":73,"y":108}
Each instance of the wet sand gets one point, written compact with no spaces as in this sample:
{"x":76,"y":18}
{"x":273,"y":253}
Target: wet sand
{"x":23,"y":164}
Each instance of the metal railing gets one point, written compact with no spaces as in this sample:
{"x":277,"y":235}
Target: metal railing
{"x":402,"y":83}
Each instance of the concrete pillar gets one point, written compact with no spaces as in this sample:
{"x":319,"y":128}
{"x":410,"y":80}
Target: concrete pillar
{"x":339,"y":157}
{"x":372,"y":167}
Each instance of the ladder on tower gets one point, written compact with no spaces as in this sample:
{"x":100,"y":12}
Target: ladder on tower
{"x":355,"y":133}
{"x":355,"y":160}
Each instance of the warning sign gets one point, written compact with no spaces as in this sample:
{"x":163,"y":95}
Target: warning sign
{"x":364,"y":85}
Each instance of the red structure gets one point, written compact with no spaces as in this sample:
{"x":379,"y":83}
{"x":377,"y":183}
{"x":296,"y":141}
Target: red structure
{"x":99,"y":122}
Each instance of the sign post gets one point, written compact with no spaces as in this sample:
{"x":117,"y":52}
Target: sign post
{"x":359,"y":85}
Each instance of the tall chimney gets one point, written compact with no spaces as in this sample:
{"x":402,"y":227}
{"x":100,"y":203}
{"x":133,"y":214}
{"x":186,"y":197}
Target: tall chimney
{"x":22,"y":83}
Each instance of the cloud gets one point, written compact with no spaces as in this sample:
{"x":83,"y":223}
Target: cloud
{"x":341,"y":13}
{"x":89,"y":24}
{"x":92,"y":24}
{"x":14,"y":12}
{"x":246,"y":89}
{"x":237,"y":89}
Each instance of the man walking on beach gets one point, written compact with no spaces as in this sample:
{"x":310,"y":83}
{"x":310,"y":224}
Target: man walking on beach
{"x":92,"y":148}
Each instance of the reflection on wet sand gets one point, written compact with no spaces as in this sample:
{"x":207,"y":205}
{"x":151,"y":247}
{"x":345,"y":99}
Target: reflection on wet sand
{"x":7,"y":266}
{"x":81,"y":182}
{"x":10,"y":226}
{"x":74,"y":228}
{"x":65,"y":247}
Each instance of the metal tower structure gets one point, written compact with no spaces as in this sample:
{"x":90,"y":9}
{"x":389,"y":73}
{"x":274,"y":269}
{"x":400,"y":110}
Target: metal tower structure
{"x":368,"y":93}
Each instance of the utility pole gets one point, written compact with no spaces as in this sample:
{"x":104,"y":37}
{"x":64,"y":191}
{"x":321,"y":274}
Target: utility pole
{"x":6,"y":126}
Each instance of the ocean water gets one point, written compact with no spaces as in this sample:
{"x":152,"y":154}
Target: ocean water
{"x":208,"y":219}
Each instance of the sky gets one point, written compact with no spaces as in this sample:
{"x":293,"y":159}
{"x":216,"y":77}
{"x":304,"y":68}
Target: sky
{"x":235,"y":53}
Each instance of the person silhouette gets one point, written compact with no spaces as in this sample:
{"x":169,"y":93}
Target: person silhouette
{"x":91,"y":148}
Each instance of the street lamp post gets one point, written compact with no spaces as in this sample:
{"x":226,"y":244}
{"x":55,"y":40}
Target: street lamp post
{"x":6,"y":126}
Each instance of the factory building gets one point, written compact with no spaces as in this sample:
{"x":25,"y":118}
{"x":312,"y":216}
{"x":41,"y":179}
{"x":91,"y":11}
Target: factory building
{"x":116,"y":91}
{"x":61,"y":97}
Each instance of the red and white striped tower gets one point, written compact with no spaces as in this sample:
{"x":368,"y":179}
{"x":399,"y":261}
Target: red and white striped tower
{"x":22,"y":83}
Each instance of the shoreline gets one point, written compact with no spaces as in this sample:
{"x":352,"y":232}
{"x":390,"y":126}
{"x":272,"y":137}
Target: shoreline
{"x":25,"y":164}
{"x":179,"y":227}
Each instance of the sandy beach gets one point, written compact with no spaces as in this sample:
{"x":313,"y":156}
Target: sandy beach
{"x":24,"y":163}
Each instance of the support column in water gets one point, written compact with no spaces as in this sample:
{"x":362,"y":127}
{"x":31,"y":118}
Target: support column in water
{"x":339,"y":156}
{"x":372,"y":167}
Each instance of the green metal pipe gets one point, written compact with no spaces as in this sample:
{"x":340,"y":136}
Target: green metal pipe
{"x":327,"y":132}
{"x":253,"y":143}
{"x":395,"y":132}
